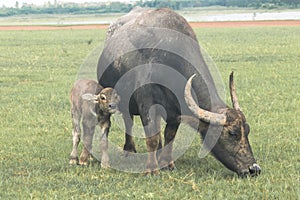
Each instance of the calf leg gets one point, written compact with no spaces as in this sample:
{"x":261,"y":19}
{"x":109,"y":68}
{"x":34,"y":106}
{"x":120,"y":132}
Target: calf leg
{"x":104,"y":128}
{"x":76,"y":136}
{"x":165,"y":158}
{"x":129,"y":145}
{"x":88,"y":133}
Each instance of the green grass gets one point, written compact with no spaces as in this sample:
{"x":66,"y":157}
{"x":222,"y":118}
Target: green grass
{"x":38,"y":68}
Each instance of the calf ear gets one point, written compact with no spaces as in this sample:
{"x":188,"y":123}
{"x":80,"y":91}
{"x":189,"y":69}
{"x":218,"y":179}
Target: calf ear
{"x":89,"y":97}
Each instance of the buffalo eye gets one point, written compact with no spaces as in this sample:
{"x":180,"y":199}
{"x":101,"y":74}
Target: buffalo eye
{"x":232,"y":133}
{"x":235,"y":132}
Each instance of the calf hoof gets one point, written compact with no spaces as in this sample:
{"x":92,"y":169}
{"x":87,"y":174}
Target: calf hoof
{"x":105,"y":165}
{"x":73,"y":161}
{"x":83,"y":162}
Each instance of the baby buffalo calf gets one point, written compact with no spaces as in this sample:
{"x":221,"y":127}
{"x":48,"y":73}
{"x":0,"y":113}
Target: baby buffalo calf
{"x":92,"y":104}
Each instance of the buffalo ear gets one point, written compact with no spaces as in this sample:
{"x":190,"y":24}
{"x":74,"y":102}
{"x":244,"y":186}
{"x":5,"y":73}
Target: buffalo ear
{"x":247,"y":129}
{"x":90,"y":97}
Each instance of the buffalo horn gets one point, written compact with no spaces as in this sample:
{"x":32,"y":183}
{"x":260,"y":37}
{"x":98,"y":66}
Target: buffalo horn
{"x":234,"y":98}
{"x":202,"y":114}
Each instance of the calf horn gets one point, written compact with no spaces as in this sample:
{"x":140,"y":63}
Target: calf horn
{"x":234,"y":98}
{"x":207,"y":116}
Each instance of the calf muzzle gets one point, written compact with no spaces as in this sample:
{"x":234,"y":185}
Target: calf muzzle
{"x":112,"y":106}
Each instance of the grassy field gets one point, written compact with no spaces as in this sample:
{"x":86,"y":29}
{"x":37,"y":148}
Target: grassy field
{"x":38,"y":68}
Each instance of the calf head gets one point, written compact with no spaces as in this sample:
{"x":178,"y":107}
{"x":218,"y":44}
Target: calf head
{"x":106,"y":101}
{"x":232,"y":146}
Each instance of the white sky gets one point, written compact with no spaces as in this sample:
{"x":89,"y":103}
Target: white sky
{"x":12,"y":3}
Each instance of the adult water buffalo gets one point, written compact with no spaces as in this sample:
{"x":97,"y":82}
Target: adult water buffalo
{"x":149,"y":55}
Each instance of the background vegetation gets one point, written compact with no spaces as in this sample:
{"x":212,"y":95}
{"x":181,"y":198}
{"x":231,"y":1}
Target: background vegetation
{"x":116,"y":7}
{"x":38,"y":68}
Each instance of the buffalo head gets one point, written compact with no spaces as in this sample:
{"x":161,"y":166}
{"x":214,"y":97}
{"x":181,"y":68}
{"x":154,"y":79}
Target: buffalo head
{"x":232,"y":146}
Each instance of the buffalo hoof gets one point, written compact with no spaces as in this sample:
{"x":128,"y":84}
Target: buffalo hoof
{"x":166,"y":163}
{"x":170,"y":167}
{"x":149,"y":172}
{"x":128,"y":154}
{"x":74,"y":161}
{"x":151,"y":168}
{"x":129,"y":148}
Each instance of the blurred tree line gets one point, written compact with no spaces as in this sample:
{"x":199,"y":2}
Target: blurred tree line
{"x":116,"y":7}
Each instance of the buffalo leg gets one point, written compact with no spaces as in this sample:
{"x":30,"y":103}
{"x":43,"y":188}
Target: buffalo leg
{"x":165,"y":158}
{"x":152,"y":146}
{"x":129,"y":145}
{"x":158,"y":125}
{"x":152,"y":131}
{"x":76,"y":136}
